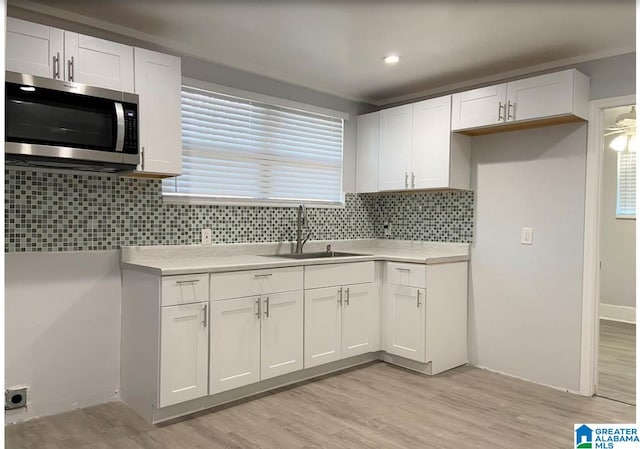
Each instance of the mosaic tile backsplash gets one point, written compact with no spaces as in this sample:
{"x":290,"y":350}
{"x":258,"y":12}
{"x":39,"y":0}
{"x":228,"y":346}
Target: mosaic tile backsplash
{"x":50,"y":211}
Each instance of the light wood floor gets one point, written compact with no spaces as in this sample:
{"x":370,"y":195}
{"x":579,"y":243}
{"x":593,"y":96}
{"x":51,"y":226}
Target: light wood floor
{"x":617,"y":361}
{"x":378,"y":406}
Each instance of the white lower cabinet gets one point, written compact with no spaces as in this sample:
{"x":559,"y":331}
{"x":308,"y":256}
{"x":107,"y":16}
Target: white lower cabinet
{"x":235,"y":343}
{"x":405,"y":315}
{"x":425,"y":315}
{"x":338,"y":323}
{"x":281,"y":334}
{"x":322,"y":326}
{"x":184,"y":351}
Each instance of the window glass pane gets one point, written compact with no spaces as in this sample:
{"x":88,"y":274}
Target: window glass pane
{"x":239,"y":148}
{"x":626,"y":190}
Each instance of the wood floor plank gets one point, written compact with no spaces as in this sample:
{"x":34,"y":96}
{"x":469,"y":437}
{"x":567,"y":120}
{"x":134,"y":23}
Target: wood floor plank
{"x":377,"y":406}
{"x":617,"y":361}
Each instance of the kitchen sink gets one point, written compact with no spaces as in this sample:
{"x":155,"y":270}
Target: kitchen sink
{"x":317,"y":255}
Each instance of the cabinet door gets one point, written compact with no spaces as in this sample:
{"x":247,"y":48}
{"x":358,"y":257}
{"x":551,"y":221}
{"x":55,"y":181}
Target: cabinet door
{"x":431,"y":143}
{"x":183,"y":353}
{"x":479,"y":107}
{"x":367,"y":146}
{"x":34,"y":49}
{"x":282,"y":334}
{"x":322,"y":325}
{"x":540,"y":96}
{"x":405,"y":322}
{"x":97,"y":62}
{"x":395,"y":148}
{"x":235,"y":343}
{"x":157,"y":80}
{"x":357,"y":308}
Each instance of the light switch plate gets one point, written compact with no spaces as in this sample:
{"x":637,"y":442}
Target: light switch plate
{"x":526,"y":237}
{"x":206,"y":236}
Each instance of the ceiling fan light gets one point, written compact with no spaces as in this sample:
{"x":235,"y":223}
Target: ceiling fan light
{"x":619,"y":143}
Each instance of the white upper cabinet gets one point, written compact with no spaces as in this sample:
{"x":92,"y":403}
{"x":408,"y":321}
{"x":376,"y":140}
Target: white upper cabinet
{"x":432,"y":146}
{"x":40,"y":50}
{"x":418,"y":151}
{"x":395,"y":148}
{"x":97,"y":62}
{"x":367,"y":148}
{"x":555,"y":94}
{"x":34,"y":49}
{"x":479,"y":107}
{"x":546,"y":99}
{"x":157,"y":83}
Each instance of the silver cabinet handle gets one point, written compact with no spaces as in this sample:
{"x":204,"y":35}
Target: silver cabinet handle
{"x":406,"y":180}
{"x":263,"y":275}
{"x":347,"y":299}
{"x":340,"y":296}
{"x":205,"y":321}
{"x":511,"y":106}
{"x":258,"y":304}
{"x":413,"y":180}
{"x":142,"y":158}
{"x":501,"y":108}
{"x":70,"y":69}
{"x":403,"y":269}
{"x":56,"y":66}
{"x":418,"y":298}
{"x":190,"y":281}
{"x":266,"y":312}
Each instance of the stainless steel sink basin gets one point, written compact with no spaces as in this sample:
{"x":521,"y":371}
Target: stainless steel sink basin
{"x":318,"y":255}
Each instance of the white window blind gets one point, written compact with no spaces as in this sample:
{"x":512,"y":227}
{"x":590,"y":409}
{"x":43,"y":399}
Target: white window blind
{"x":626,"y":190}
{"x":240,"y":149}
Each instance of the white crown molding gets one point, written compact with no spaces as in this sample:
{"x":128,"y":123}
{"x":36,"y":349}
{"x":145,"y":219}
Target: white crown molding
{"x":498,"y":77}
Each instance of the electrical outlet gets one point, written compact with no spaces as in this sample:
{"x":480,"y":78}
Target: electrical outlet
{"x":15,"y":398}
{"x":526,"y":236}
{"x":387,"y":229}
{"x":206,"y":236}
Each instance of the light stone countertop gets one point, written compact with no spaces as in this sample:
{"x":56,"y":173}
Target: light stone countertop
{"x":187,"y":259}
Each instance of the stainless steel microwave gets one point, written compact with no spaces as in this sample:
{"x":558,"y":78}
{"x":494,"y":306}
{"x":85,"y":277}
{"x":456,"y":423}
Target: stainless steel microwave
{"x":61,"y":124}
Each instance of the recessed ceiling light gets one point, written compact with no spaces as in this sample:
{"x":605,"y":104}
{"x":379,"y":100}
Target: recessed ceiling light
{"x":391,"y":59}
{"x":28,"y":88}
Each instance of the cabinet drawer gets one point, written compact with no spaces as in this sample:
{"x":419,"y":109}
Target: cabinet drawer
{"x":316,"y":276}
{"x":239,"y":284}
{"x":409,"y":274}
{"x":185,"y":289}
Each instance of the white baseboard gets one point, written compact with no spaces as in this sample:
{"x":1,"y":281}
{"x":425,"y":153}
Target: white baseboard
{"x":613,"y":312}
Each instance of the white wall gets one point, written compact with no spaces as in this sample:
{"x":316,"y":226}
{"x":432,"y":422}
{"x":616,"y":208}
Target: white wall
{"x":62,"y":328}
{"x":617,"y":236}
{"x":525,"y":301}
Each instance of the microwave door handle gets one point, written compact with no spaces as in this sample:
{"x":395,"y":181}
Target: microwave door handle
{"x":119,"y":126}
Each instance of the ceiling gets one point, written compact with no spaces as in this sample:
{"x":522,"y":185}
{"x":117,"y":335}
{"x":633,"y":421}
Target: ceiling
{"x":337,"y":46}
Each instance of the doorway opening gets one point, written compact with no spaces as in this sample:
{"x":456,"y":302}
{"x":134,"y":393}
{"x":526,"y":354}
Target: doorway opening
{"x":616,"y":378}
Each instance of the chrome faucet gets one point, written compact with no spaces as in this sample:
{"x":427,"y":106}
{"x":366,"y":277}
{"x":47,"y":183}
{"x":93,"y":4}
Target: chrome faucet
{"x":303,"y":222}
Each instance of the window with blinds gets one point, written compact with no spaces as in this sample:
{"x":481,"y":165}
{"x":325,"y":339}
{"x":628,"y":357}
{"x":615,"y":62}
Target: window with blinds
{"x":237,"y":149}
{"x":626,"y":190}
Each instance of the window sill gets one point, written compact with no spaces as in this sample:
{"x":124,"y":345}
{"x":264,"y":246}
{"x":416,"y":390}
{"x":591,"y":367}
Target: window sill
{"x":169,"y":198}
{"x":625,"y":217}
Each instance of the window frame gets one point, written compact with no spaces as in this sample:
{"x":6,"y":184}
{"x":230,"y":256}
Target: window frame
{"x":181,"y":198}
